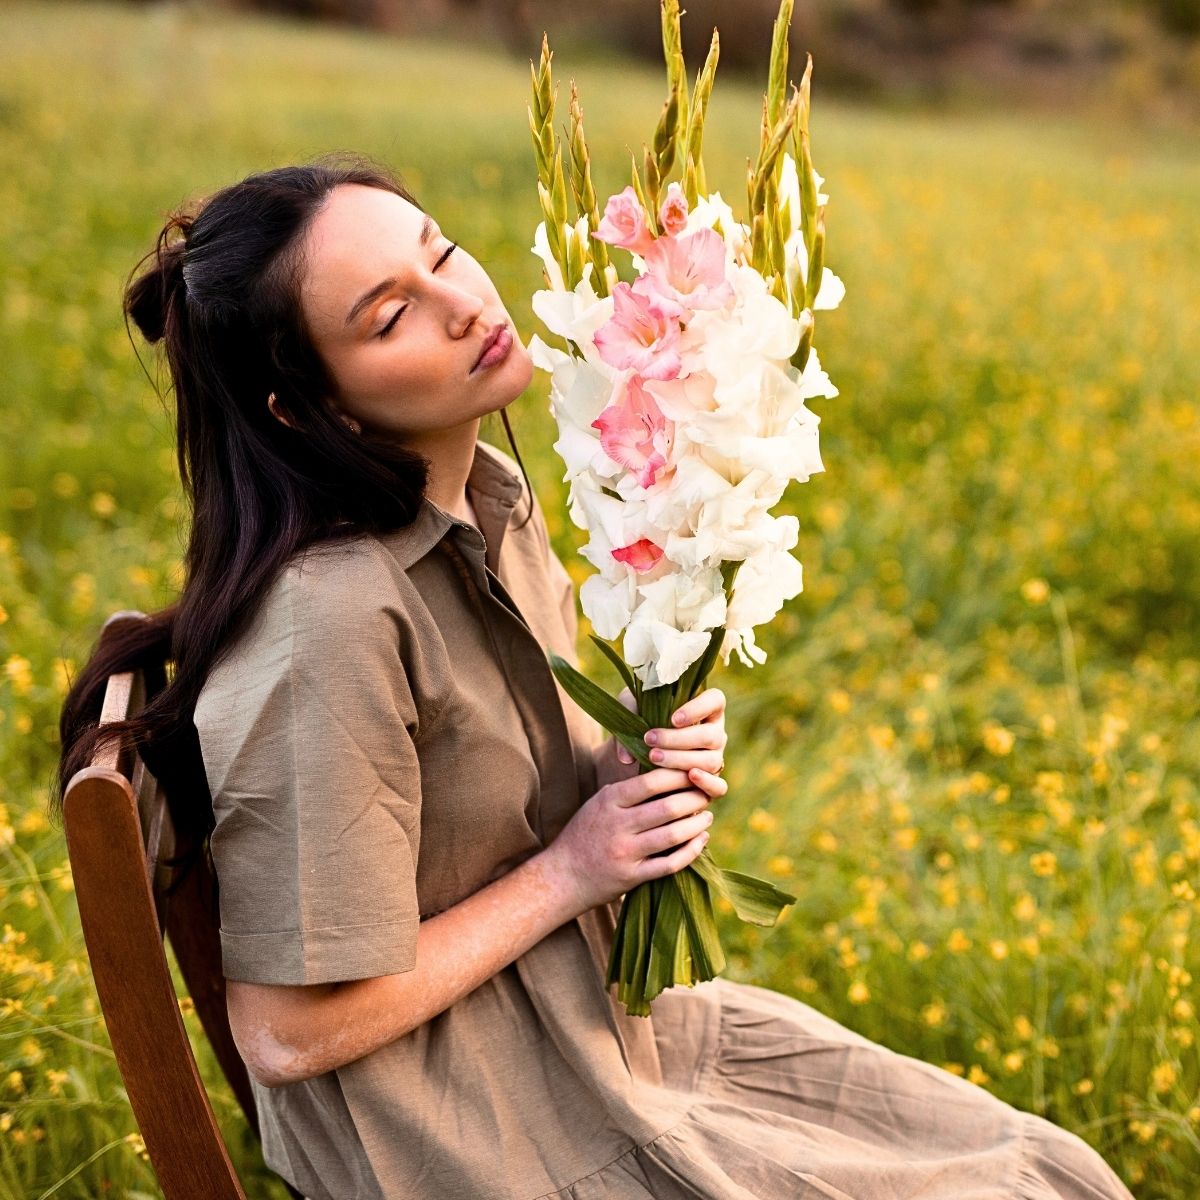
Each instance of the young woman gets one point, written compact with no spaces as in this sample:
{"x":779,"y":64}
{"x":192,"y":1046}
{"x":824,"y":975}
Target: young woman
{"x":421,"y":843}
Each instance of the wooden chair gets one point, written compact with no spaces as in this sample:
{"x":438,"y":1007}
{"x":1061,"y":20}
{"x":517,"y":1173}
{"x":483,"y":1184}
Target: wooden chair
{"x":131,"y":892}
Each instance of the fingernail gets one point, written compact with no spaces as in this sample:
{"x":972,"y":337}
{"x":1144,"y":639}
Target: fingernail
{"x":679,"y":717}
{"x":656,"y":756}
{"x":651,"y":737}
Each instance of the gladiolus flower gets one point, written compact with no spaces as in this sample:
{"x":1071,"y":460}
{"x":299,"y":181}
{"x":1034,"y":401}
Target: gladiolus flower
{"x":641,"y":555}
{"x":687,"y":271}
{"x":643,"y":333}
{"x":624,"y":223}
{"x":634,"y":433}
{"x":674,"y":212}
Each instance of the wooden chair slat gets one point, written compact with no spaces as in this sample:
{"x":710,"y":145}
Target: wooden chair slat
{"x":136,"y":993}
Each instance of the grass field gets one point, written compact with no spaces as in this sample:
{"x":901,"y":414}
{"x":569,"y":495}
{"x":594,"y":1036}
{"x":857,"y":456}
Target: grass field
{"x":974,"y":752}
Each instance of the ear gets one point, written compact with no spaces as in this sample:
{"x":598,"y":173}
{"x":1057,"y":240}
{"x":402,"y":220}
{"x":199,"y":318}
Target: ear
{"x":273,"y":405}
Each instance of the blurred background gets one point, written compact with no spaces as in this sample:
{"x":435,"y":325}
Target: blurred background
{"x":973,"y":753}
{"x":1144,"y":55}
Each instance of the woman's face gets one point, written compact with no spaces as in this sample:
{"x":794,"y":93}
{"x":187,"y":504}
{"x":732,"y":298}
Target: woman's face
{"x":400,"y":318}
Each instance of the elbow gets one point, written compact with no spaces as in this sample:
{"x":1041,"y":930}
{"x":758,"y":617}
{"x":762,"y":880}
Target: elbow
{"x":268,"y":1035}
{"x":285,"y":1066}
{"x":270,"y":1062}
{"x":266,"y":1065}
{"x":268,"y":1075}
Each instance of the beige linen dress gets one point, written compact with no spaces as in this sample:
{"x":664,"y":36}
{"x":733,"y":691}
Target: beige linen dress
{"x":384,"y":739}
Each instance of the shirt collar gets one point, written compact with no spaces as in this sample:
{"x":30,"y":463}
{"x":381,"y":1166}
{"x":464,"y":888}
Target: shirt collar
{"x":495,"y":489}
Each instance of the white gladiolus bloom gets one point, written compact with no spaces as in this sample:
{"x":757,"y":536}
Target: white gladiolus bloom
{"x":608,"y":603}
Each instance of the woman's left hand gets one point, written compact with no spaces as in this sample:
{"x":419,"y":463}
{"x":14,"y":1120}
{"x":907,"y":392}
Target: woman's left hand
{"x":695,"y":744}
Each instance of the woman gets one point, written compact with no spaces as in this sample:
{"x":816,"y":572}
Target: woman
{"x":421,"y":843}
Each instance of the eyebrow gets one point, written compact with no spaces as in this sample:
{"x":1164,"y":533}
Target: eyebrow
{"x":372,"y":294}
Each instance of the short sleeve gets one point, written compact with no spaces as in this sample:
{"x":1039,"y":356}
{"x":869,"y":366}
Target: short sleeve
{"x":307,"y":733}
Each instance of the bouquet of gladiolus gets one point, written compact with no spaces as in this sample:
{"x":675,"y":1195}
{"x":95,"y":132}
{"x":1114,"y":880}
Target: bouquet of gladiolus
{"x":680,"y":403}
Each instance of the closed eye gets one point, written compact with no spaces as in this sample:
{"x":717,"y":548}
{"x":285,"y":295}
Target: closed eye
{"x":392,"y":321}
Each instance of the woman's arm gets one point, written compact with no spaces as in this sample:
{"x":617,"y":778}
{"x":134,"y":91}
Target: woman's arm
{"x":287,"y":1034}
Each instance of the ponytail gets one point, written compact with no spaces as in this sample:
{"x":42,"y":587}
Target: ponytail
{"x":156,"y":297}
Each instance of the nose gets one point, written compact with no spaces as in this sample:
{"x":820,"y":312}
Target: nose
{"x":462,"y":306}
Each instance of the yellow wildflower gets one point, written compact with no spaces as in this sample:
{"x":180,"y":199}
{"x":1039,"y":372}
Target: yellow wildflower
{"x":918,"y":951}
{"x":825,"y":841}
{"x":1044,"y":863}
{"x":957,"y":941}
{"x":762,"y":821}
{"x":997,"y":740}
{"x":1163,"y":1076}
{"x":19,"y":671}
{"x":1035,"y":591}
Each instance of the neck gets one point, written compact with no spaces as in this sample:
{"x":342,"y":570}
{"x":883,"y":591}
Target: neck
{"x":450,"y":453}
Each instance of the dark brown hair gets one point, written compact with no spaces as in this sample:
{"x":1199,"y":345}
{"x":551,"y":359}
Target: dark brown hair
{"x":220,"y":291}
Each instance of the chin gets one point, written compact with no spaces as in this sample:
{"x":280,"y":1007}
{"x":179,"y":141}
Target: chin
{"x":518,"y":374}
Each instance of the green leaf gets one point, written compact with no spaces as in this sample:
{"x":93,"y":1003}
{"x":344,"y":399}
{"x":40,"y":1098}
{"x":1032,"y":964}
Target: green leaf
{"x":754,"y":900}
{"x":617,"y":661}
{"x":627,"y":727}
{"x":701,"y":922}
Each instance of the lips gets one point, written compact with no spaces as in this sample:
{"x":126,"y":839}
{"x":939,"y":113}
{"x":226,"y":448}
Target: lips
{"x":490,"y":341}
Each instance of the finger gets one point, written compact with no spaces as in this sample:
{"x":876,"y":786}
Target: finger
{"x":627,"y":699}
{"x":658,"y":867}
{"x":623,"y":755}
{"x":700,"y":708}
{"x":707,"y":782}
{"x":663,"y":810}
{"x":685,"y":760}
{"x":663,"y":837}
{"x":654,"y":782}
{"x":709,"y":735}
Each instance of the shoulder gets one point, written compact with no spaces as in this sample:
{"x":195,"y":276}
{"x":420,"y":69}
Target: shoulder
{"x":340,"y":584}
{"x":332,"y":602}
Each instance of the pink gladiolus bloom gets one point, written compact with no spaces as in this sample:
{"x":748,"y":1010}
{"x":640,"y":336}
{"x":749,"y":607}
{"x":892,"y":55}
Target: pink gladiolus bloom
{"x":640,"y":555}
{"x":634,"y":433}
{"x":674,"y":212}
{"x":687,"y":271}
{"x":624,"y":223}
{"x":643,"y":333}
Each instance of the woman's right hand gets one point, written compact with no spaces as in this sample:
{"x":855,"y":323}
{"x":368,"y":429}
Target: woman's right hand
{"x":605,"y":849}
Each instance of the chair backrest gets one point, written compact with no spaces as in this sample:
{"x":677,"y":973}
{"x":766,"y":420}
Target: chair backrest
{"x":131,"y":892}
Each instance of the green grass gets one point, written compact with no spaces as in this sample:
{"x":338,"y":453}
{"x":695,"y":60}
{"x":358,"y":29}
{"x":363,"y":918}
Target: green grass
{"x":978,"y":721}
